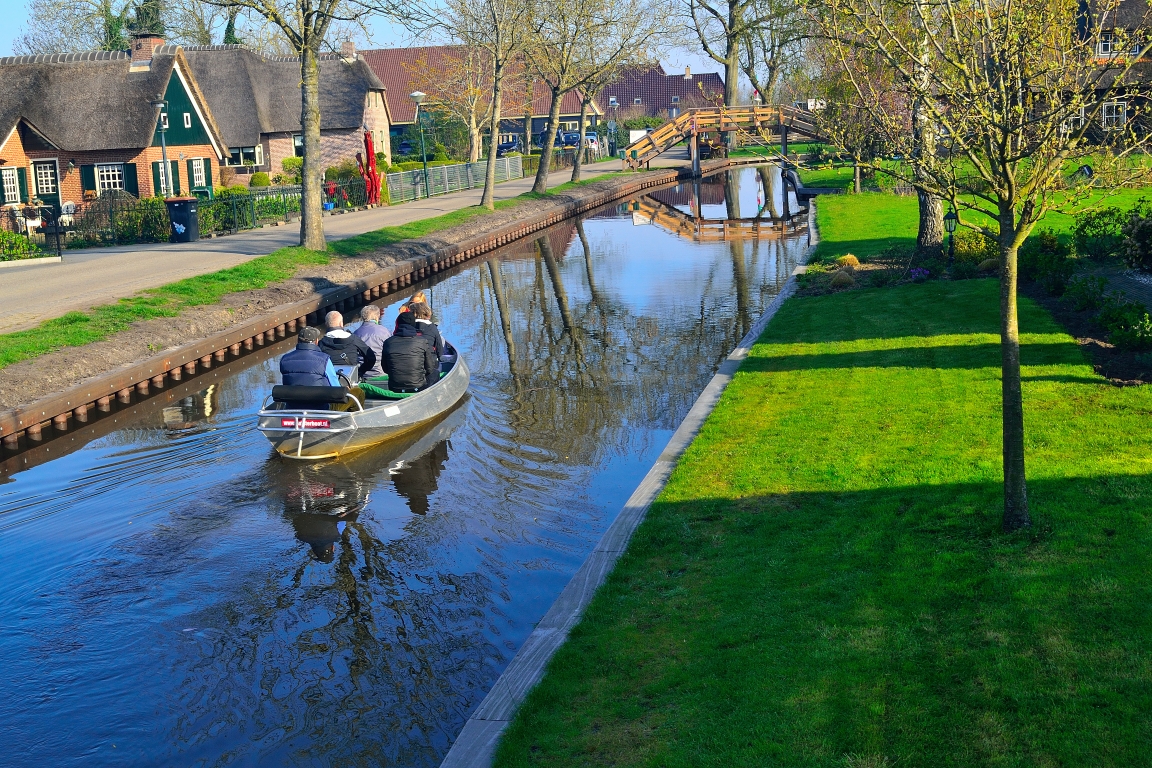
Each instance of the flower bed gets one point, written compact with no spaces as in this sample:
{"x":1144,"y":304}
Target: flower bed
{"x":17,"y":247}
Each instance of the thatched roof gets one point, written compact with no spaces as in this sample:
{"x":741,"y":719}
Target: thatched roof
{"x":85,"y":101}
{"x":252,"y":94}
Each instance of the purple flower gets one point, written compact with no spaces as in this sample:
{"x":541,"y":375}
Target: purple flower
{"x":919,"y":274}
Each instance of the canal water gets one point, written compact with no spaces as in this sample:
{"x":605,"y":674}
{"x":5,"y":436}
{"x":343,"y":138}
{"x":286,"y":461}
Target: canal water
{"x":176,"y":594}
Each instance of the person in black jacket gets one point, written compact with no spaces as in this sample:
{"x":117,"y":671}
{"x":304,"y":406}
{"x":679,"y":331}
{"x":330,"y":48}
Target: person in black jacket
{"x":307,"y":366}
{"x":426,"y":327}
{"x":346,"y":348}
{"x":410,"y":359}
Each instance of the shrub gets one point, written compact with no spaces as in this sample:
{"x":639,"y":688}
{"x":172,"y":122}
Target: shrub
{"x":848,"y":260}
{"x":989,"y":265}
{"x":1045,"y":258}
{"x":345,"y":169}
{"x":293,"y":167}
{"x":14,"y":246}
{"x":439,"y":152}
{"x":1085,"y":292}
{"x":1099,"y":234}
{"x":965,"y":270}
{"x":1137,"y":248}
{"x":974,"y":247}
{"x":1127,"y":322}
{"x":259,"y":179}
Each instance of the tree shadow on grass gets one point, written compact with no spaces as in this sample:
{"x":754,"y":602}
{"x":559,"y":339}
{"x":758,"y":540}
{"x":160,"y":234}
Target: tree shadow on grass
{"x":963,"y":356}
{"x":899,"y":622}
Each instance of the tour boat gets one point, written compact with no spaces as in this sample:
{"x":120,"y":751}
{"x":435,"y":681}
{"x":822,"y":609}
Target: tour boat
{"x":383,"y":414}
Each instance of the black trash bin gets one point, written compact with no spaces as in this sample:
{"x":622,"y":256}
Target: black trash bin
{"x":185,"y":219}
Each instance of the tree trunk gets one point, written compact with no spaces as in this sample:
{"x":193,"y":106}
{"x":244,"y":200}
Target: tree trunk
{"x":528,"y":117}
{"x":474,"y":139}
{"x":312,"y":174}
{"x":856,"y":178}
{"x":541,"y":185}
{"x":488,"y":199}
{"x":580,"y":153}
{"x":930,"y":236}
{"x":1012,"y":401}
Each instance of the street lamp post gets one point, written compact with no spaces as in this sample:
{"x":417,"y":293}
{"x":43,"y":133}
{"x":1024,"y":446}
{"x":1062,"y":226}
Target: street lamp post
{"x":950,"y":222}
{"x":418,"y":97}
{"x":165,"y":183}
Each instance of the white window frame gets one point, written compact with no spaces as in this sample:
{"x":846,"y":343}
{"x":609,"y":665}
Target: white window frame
{"x":675,"y":99}
{"x":1118,"y":117}
{"x":10,"y":183}
{"x":1106,"y":45}
{"x":109,"y":176}
{"x":164,"y":120}
{"x":36,"y":165}
{"x":637,"y":101}
{"x":612,"y":102}
{"x":198,"y":177}
{"x":187,"y":119}
{"x":259,"y":155}
{"x":1074,"y":122}
{"x":164,"y":188}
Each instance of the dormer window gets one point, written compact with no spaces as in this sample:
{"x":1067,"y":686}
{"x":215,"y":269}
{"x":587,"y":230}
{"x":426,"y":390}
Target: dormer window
{"x":675,"y":99}
{"x":1114,"y":114}
{"x":612,"y":101}
{"x":1106,"y":46}
{"x":636,"y":100}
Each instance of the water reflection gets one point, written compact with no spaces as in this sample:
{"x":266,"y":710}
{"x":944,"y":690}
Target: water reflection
{"x":177,"y":590}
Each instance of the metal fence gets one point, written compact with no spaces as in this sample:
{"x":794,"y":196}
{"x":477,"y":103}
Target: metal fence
{"x":442,"y":179}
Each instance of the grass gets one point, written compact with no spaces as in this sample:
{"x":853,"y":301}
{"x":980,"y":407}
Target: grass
{"x":76,"y":329}
{"x":824,"y":582}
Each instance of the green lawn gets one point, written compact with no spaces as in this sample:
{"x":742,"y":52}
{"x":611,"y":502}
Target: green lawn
{"x":824,"y":582}
{"x":75,"y":329}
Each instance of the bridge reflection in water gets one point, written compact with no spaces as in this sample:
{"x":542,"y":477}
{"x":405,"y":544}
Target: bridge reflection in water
{"x":717,"y":208}
{"x":174,"y":589}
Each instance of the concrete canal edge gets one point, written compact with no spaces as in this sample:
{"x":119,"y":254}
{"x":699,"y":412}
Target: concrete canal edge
{"x":53,"y":415}
{"x":476,"y":744}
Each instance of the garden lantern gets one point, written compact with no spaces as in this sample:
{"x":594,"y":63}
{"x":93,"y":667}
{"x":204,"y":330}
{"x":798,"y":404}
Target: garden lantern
{"x":950,"y":222}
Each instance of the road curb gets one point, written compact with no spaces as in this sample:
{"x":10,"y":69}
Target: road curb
{"x":476,"y":744}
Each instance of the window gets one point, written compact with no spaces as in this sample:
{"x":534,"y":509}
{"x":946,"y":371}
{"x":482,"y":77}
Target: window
{"x":1074,"y":122}
{"x":636,"y":100}
{"x":109,"y":176}
{"x":673,"y":112}
{"x":45,"y":178}
{"x":164,"y":120}
{"x":1106,"y":46}
{"x":198,"y":172}
{"x":675,"y":99}
{"x":570,"y":125}
{"x":1114,"y":115}
{"x":163,"y":171}
{"x":612,"y":101}
{"x":187,"y":119}
{"x":298,"y":145}
{"x":11,"y":186}
{"x":246,"y":155}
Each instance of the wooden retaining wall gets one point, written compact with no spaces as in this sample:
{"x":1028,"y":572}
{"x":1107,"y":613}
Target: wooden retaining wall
{"x":53,"y":415}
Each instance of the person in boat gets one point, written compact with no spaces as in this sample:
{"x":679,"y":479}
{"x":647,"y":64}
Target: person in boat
{"x":410,"y":358}
{"x":345,"y":348}
{"x":374,"y":335}
{"x":307,"y":366}
{"x":417,"y":298}
{"x":428,"y":328}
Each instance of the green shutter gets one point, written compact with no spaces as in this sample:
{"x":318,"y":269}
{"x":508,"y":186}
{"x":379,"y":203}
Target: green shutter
{"x":191,"y":177}
{"x":208,"y":172}
{"x":131,"y":183}
{"x":22,"y":178}
{"x":88,"y":178}
{"x":175,"y":176}
{"x":156,"y":180}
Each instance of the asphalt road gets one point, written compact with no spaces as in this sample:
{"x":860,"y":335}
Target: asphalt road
{"x":34,"y":293}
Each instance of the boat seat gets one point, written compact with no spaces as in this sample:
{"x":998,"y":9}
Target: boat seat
{"x":284,"y":393}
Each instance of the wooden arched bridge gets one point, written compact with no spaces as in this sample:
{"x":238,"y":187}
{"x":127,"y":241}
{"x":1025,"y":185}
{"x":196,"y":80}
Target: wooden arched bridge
{"x":690,"y":227}
{"x":691,"y":123}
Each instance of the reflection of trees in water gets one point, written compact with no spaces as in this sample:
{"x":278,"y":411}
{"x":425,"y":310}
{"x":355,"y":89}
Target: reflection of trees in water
{"x":371,"y":658}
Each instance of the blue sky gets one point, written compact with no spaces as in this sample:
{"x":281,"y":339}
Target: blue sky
{"x":384,"y":35}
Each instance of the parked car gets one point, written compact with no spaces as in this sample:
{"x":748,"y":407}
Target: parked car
{"x":592,"y":141}
{"x":405,"y":148}
{"x":515,"y":145}
{"x":571,"y":139}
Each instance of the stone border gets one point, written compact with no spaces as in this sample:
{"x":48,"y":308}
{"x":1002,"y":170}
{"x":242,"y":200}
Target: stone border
{"x":476,"y":744}
{"x":26,"y":262}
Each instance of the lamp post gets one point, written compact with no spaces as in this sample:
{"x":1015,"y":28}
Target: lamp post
{"x":950,"y":222}
{"x":418,"y":97}
{"x":162,"y":126}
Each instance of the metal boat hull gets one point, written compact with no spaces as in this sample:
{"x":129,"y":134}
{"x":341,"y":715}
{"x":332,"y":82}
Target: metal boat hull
{"x":322,"y":434}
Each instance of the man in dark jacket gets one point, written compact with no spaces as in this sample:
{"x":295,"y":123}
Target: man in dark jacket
{"x":410,"y":359}
{"x":346,"y":348}
{"x":307,"y":366}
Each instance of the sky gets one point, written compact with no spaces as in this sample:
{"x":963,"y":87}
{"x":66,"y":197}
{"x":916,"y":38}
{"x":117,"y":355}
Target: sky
{"x":385,"y":35}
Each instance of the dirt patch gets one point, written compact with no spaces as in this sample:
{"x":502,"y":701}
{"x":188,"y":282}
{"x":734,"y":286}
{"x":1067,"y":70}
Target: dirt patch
{"x":27,"y":381}
{"x":1122,"y":367}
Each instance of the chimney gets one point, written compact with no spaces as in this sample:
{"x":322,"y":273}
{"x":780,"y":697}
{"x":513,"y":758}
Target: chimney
{"x":348,"y":49}
{"x":144,"y":45}
{"x":687,"y":73}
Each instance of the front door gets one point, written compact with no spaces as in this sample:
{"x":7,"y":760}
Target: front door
{"x":46,"y":176}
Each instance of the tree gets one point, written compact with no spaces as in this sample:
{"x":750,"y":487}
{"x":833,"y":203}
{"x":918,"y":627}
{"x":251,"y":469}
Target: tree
{"x":55,"y":26}
{"x":457,"y":83}
{"x":774,"y":47}
{"x":723,"y":27}
{"x":1018,"y":94}
{"x":577,"y":46}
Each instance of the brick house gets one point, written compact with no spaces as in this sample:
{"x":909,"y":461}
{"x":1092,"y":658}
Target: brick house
{"x":404,"y":70}
{"x":256,"y":100}
{"x":75,"y":126}
{"x":654,"y":93}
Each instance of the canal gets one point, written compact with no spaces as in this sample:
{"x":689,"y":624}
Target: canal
{"x":176,"y":594}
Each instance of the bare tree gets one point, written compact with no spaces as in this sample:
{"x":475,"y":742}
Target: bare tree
{"x":723,"y":27}
{"x":774,"y":47}
{"x":1016,"y":94}
{"x":457,"y":82}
